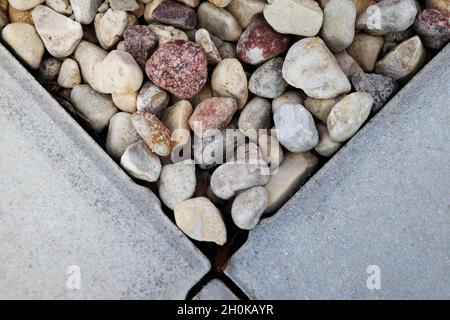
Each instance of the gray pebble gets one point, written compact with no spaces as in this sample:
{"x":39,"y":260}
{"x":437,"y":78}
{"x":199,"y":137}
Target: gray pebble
{"x":248,"y":207}
{"x":140,"y":162}
{"x":267,"y":81}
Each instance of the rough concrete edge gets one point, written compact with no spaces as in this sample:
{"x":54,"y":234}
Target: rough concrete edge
{"x":376,"y":120}
{"x":93,"y":151}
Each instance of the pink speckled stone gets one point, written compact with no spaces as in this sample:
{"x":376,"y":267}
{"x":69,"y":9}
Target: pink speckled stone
{"x":433,"y":28}
{"x":259,"y":43}
{"x":180,"y":67}
{"x":140,"y":42}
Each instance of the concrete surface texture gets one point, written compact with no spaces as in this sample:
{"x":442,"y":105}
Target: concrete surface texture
{"x":70,"y":218}
{"x":374,"y":222}
{"x":215,"y":290}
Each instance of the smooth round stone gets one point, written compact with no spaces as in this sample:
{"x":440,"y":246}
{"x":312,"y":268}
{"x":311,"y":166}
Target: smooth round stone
{"x":125,"y":5}
{"x":267,"y":81}
{"x":347,"y":64}
{"x":255,"y":116}
{"x":348,"y":115}
{"x":289,"y":96}
{"x":140,"y":42}
{"x":121,"y":134}
{"x":167,"y":34}
{"x":433,"y":28}
{"x":320,"y":108}
{"x":118,"y":73}
{"x":235,"y":176}
{"x":96,"y":108}
{"x":229,"y":80}
{"x":310,"y":66}
{"x":49,"y":69}
{"x":70,"y":75}
{"x":60,"y":34}
{"x":338,"y":28}
{"x":153,"y":132}
{"x":249,"y":206}
{"x":441,"y":5}
{"x":271,"y":151}
{"x":404,"y":60}
{"x":25,"y":4}
{"x":387,"y":16}
{"x":175,"y":14}
{"x":88,"y":55}
{"x":259,"y":43}
{"x":180,"y":67}
{"x":140,"y":162}
{"x":125,"y":101}
{"x":327,"y":146}
{"x":20,"y":16}
{"x":85,"y":10}
{"x":245,"y":11}
{"x":176,"y":118}
{"x":380,"y":87}
{"x":299,"y":17}
{"x":295,"y":126}
{"x":365,"y":49}
{"x":60,"y":6}
{"x":212,"y":114}
{"x":203,"y":39}
{"x":25,"y":42}
{"x":201,"y":220}
{"x":177,"y":183}
{"x":218,"y":21}
{"x":152,"y":98}
{"x":109,"y":27}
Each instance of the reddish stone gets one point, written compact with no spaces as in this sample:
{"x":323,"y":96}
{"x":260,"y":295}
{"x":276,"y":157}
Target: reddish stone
{"x":433,"y":28}
{"x":259,"y":43}
{"x":211,"y":114}
{"x":175,"y":14}
{"x":180,"y":67}
{"x":140,"y":42}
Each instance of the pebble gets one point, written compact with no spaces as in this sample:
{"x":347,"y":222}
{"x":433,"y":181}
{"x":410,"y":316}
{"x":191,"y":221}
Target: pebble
{"x":338,"y":28}
{"x":140,"y":42}
{"x":212,"y":114}
{"x":404,"y":60}
{"x":255,"y":116}
{"x":70,"y":75}
{"x":25,"y":42}
{"x":245,"y":11}
{"x":140,"y":162}
{"x":203,"y":39}
{"x":118,"y":73}
{"x":60,"y":34}
{"x":299,"y":17}
{"x":177,"y":183}
{"x":271,"y":151}
{"x":88,"y":55}
{"x":348,"y":115}
{"x":441,"y":5}
{"x":347,"y":64}
{"x":365,"y":49}
{"x":229,"y":80}
{"x":109,"y":27}
{"x":249,"y":206}
{"x":235,"y":176}
{"x":249,"y":153}
{"x":125,"y":5}
{"x":218,"y":21}
{"x":153,"y":132}
{"x":180,"y":67}
{"x":95,"y":108}
{"x":85,"y":10}
{"x":121,"y":134}
{"x":149,"y":8}
{"x":327,"y":146}
{"x":201,"y":220}
{"x":125,"y":101}
{"x":176,"y":118}
{"x":433,"y":28}
{"x":175,"y":14}
{"x":228,"y":50}
{"x":259,"y":43}
{"x":380,"y":87}
{"x":295,"y":126}
{"x":25,"y":4}
{"x":320,"y":108}
{"x":293,"y":172}
{"x":60,"y":6}
{"x":20,"y":16}
{"x":49,"y":69}
{"x":387,"y":16}
{"x":310,"y":66}
{"x":167,"y":34}
{"x":153,"y":99}
{"x":267,"y":81}
{"x":289,"y":96}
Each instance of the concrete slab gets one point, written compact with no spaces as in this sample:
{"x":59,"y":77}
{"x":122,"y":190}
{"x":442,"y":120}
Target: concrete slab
{"x":215,"y":290}
{"x":69,"y":213}
{"x":380,"y":207}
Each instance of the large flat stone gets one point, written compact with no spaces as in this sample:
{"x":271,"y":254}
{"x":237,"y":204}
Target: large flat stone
{"x":382,"y":200}
{"x":64,"y":202}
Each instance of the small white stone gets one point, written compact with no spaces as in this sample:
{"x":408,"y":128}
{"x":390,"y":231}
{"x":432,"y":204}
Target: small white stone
{"x":109,"y":27}
{"x":88,"y":55}
{"x":61,"y":6}
{"x":140,"y":162}
{"x":85,"y":10}
{"x":70,"y":75}
{"x":167,"y":33}
{"x":248,"y":207}
{"x":121,"y":134}
{"x":25,"y":4}
{"x":292,"y":96}
{"x":327,"y":146}
{"x":125,"y":101}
